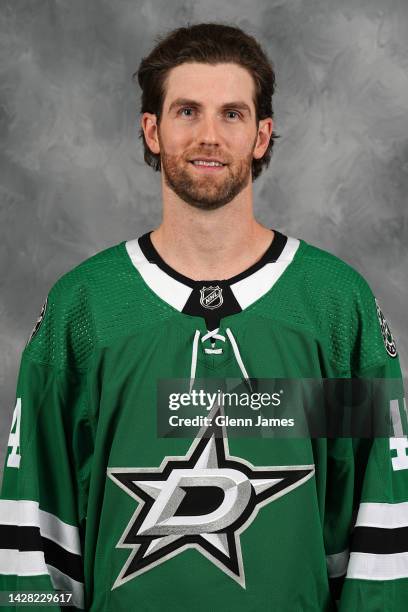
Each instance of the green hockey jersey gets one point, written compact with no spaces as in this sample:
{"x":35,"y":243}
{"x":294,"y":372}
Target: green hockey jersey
{"x":94,"y":502}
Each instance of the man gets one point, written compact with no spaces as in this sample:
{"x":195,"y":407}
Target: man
{"x":94,"y":501}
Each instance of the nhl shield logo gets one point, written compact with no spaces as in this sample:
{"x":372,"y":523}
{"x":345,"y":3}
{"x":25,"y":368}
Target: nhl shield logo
{"x":211,"y":297}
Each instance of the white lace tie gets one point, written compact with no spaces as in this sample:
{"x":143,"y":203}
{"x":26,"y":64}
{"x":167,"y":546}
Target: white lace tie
{"x":214,"y":335}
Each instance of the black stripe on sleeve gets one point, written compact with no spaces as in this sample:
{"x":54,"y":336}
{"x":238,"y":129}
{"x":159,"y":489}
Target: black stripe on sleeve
{"x":379,"y":540}
{"x":30,"y":539}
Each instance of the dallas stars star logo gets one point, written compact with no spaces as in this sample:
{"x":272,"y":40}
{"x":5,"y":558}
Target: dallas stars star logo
{"x":203,"y":500}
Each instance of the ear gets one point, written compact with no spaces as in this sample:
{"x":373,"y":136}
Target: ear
{"x":265,"y":129}
{"x":148,"y":123}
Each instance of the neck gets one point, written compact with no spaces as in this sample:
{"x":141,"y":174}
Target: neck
{"x":214,"y":244}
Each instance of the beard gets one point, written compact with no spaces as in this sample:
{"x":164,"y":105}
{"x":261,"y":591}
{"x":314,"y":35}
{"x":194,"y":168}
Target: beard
{"x":205,"y":191}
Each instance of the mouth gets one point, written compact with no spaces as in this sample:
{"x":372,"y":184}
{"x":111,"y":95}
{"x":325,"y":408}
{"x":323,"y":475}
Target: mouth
{"x":207,"y":166}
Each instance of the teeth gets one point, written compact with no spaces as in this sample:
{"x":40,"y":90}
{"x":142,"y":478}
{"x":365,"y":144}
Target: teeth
{"x":206,"y":163}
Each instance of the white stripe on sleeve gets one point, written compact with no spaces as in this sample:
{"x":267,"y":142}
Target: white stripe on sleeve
{"x":369,"y":566}
{"x":383,"y":515}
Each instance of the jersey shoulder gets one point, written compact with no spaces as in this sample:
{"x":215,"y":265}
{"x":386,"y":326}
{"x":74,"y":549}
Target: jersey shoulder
{"x":101,"y":298}
{"x":64,"y":334}
{"x":343,"y":308}
{"x":318,"y":287}
{"x":326,"y":269}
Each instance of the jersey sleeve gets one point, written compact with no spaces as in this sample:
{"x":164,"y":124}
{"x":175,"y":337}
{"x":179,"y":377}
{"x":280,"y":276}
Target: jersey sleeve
{"x":44,"y":489}
{"x":367,"y":521}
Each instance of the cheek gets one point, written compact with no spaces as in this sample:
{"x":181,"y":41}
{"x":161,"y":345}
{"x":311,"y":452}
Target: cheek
{"x":242,"y":142}
{"x":175,"y":141}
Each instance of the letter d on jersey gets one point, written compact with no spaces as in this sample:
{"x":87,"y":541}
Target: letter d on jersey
{"x":235,"y":489}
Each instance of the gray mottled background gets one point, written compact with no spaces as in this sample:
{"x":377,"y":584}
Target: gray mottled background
{"x":73,"y":180}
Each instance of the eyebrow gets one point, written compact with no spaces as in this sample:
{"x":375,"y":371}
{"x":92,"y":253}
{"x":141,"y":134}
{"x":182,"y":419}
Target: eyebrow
{"x":239,"y":105}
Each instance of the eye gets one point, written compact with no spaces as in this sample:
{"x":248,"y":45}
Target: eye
{"x":233,"y":112}
{"x":186,"y":108}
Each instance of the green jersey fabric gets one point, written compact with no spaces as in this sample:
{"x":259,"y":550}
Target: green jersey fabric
{"x":94,"y":502}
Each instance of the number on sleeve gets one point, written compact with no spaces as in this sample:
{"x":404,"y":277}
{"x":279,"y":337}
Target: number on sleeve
{"x":13,"y":460}
{"x":400,"y":443}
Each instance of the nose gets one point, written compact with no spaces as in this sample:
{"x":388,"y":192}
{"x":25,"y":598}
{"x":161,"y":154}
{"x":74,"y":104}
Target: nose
{"x":207,"y":130}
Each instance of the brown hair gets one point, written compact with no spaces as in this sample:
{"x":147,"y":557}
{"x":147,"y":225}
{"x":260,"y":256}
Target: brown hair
{"x":207,"y":43}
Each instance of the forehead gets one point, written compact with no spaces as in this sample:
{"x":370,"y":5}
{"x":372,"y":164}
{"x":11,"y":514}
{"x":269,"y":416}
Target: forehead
{"x":209,"y":83}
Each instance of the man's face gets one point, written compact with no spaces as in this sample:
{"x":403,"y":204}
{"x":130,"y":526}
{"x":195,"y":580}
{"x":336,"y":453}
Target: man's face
{"x":208,"y":112}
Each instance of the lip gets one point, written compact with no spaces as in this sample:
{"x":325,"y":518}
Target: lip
{"x":207,"y":159}
{"x":207,"y":169}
